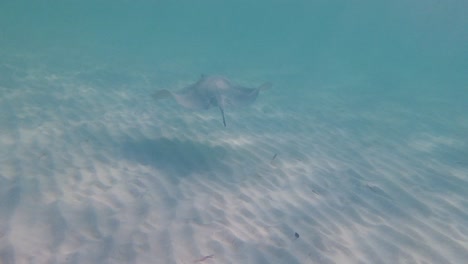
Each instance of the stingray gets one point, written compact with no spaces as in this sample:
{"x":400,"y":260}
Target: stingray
{"x":213,"y":91}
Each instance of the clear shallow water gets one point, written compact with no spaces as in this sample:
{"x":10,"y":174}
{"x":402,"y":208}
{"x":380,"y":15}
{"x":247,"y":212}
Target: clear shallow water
{"x":367,"y":118}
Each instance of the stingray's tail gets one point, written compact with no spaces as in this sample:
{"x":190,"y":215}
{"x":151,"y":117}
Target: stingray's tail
{"x":222,"y":114}
{"x":161,"y":94}
{"x":265,"y":86}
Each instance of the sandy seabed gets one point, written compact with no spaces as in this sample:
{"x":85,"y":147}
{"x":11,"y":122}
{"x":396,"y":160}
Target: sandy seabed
{"x":92,"y":170}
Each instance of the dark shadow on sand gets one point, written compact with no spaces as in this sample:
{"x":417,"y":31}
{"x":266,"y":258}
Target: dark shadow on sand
{"x":177,"y":157}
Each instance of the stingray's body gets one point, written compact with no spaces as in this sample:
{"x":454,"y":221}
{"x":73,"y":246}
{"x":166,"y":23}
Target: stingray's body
{"x":213,"y":91}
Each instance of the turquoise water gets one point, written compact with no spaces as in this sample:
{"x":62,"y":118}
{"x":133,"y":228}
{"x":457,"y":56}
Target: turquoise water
{"x":368,"y":110}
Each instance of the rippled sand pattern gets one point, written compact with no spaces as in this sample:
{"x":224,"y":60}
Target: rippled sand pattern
{"x":93,"y":171}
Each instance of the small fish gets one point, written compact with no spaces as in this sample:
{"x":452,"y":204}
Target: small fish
{"x":204,"y":258}
{"x":274,"y":157}
{"x":296,"y":235}
{"x":372,"y":187}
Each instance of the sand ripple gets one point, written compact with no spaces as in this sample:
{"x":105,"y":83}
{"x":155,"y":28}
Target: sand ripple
{"x":99,"y":174}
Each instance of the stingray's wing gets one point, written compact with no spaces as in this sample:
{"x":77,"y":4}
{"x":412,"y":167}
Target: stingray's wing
{"x":238,"y":96}
{"x":188,"y":98}
{"x":241,"y":96}
{"x":265,"y":86}
{"x":161,"y":94}
{"x":192,"y":100}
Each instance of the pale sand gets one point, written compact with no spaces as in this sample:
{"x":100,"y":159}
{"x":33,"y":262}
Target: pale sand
{"x":94,"y":171}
